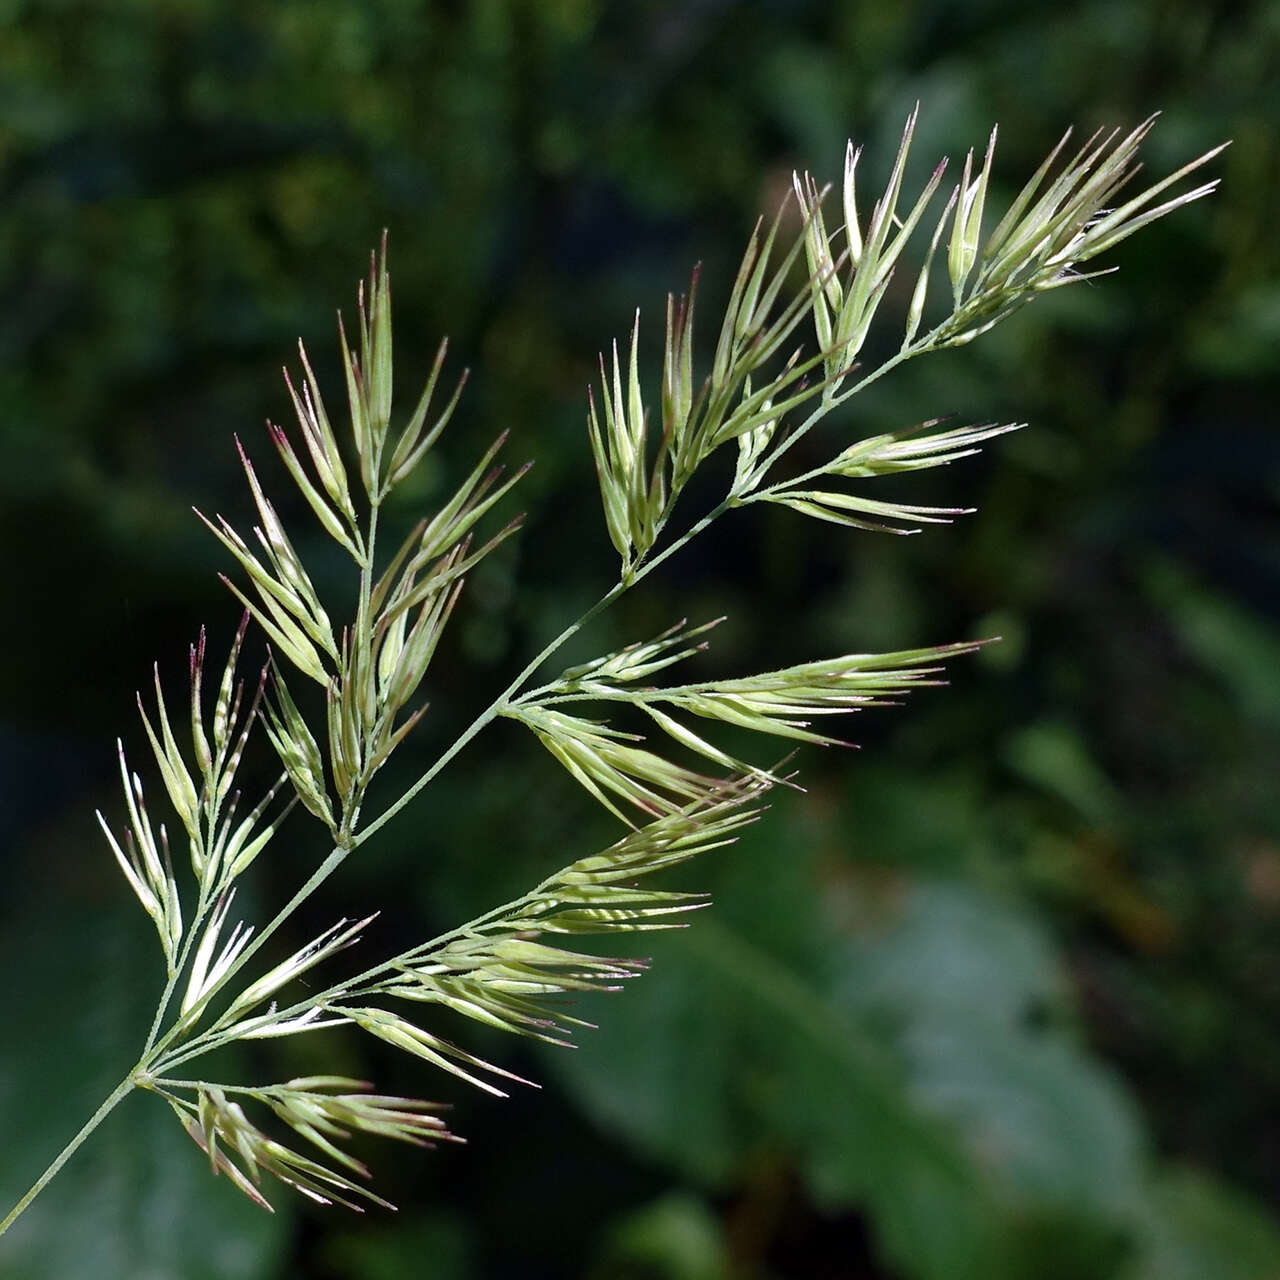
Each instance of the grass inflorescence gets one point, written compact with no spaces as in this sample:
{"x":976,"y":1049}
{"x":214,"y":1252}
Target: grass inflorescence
{"x":515,"y":967}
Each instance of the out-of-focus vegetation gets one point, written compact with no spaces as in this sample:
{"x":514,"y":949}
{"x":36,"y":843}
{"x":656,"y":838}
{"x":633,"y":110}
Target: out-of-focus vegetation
{"x":998,"y":997}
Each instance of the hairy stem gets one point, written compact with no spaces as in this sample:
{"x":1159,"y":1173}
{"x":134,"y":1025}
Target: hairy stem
{"x":112,"y":1100}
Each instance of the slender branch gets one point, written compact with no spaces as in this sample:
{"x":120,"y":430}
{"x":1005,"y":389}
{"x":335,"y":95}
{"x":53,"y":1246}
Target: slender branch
{"x":364,"y":639}
{"x":493,"y":709}
{"x":335,"y":859}
{"x":826,"y":406}
{"x":162,"y":1084}
{"x":349,"y":986}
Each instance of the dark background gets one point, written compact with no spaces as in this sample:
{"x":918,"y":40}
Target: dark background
{"x":998,"y":996}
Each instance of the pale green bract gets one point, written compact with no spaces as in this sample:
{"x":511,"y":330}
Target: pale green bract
{"x":512,"y":967}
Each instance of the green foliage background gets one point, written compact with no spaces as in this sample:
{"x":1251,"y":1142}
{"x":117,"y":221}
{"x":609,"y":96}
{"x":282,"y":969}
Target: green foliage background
{"x":999,"y":996}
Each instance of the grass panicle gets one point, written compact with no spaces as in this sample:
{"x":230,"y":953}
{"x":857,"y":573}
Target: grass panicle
{"x":678,"y":794}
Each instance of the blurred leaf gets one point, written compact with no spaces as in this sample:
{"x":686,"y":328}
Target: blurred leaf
{"x":1239,"y":650}
{"x":396,"y":1250}
{"x":928,"y":824}
{"x":943,"y":950}
{"x":1246,"y":344}
{"x":726,"y":1055}
{"x":674,"y":1238}
{"x":975,"y":994}
{"x":907,"y":1073}
{"x":1197,"y":1229}
{"x":1054,"y":757}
